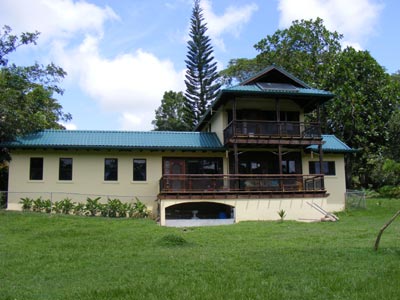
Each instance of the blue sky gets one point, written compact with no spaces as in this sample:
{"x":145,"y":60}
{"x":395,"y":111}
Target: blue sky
{"x":122,"y":55}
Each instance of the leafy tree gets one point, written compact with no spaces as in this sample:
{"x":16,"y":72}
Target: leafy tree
{"x":170,"y":115}
{"x":201,"y":81}
{"x":393,"y":149}
{"x":27,"y":100}
{"x":366,"y":96}
{"x":360,"y":114}
{"x":306,"y":49}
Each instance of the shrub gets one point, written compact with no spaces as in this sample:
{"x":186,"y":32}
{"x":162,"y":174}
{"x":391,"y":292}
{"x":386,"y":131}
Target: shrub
{"x":38,"y":205}
{"x":114,"y":206}
{"x":27,"y":203}
{"x":388,"y":191}
{"x":47,"y":206}
{"x":92,"y":206}
{"x":79,"y":209}
{"x":67,"y":206}
{"x":139,"y":209}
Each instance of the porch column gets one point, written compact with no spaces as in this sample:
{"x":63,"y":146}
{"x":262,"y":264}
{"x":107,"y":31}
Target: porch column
{"x":236,"y":155}
{"x":321,"y":160}
{"x":278,"y":114}
{"x":280,"y":159}
{"x":235,"y":147}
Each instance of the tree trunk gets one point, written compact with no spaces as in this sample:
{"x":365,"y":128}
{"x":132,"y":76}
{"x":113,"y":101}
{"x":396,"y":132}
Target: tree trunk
{"x":378,"y":238}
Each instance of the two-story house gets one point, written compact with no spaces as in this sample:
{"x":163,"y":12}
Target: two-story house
{"x":252,"y":154}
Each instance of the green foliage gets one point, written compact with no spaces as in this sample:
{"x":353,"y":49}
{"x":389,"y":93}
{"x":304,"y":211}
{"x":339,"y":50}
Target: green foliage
{"x":392,"y":146}
{"x":38,"y":205}
{"x":27,"y":203}
{"x":171,"y":114}
{"x":201,"y":81}
{"x":388,"y":191}
{"x":281,"y":214}
{"x":27,"y":100}
{"x":67,"y":206}
{"x":113,"y":207}
{"x":79,"y":209}
{"x":92,"y":206}
{"x":306,"y":49}
{"x":139,"y":209}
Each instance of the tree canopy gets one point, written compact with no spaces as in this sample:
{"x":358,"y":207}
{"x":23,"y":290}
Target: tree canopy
{"x":201,"y":81}
{"x":366,"y":96}
{"x":170,"y":114}
{"x":27,"y":101}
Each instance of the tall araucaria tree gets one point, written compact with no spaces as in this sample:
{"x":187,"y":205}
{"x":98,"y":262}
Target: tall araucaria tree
{"x":202,"y":84}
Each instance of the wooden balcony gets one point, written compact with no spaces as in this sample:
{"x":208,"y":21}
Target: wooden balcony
{"x":241,"y":186}
{"x":272,"y":132}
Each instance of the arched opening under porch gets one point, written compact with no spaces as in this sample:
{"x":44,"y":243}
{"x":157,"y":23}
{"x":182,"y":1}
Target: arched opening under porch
{"x":199,"y":214}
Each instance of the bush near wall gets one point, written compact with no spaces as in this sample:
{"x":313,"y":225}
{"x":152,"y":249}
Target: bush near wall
{"x":114,"y":208}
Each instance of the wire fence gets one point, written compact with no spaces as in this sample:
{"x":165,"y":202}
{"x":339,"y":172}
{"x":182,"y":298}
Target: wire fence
{"x":355,"y":199}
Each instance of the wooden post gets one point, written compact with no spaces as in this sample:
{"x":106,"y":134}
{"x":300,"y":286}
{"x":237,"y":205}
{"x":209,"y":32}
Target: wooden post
{"x":235,"y":147}
{"x":378,"y":238}
{"x":321,"y":161}
{"x":278,"y":114}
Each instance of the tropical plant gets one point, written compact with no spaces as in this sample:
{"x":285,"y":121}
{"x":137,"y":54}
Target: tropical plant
{"x":113,"y":207}
{"x":38,"y":205}
{"x":67,"y":205}
{"x":79,"y":209}
{"x":47,"y":206}
{"x":281,"y":214}
{"x":27,"y":203}
{"x":92,"y":206}
{"x":140,"y":209}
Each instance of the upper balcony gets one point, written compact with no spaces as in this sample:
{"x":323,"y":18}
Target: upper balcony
{"x":272,"y":133}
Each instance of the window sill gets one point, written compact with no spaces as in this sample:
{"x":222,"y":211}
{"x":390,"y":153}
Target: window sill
{"x":139,"y":182}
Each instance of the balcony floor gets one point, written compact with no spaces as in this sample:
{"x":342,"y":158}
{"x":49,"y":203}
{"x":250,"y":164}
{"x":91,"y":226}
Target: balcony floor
{"x":241,"y":195}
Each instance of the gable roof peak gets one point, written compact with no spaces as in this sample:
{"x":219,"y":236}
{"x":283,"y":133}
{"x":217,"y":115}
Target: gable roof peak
{"x":275,"y":74}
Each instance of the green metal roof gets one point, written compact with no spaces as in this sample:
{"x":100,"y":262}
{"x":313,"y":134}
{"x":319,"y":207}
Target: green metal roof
{"x":122,"y":140}
{"x":298,"y":91}
{"x":332,"y":145}
{"x":141,"y":140}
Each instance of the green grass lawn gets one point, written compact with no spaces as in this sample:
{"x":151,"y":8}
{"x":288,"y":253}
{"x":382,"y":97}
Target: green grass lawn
{"x":69,"y":257}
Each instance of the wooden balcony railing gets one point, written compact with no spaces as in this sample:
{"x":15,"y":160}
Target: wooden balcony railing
{"x":225,"y":184}
{"x":275,"y":129}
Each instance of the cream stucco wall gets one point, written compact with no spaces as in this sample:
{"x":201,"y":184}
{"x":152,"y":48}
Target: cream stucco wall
{"x":335,"y":185}
{"x":88,"y":176}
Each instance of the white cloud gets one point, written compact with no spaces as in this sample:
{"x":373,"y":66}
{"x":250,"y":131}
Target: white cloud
{"x":129,"y":84}
{"x":232,"y":21}
{"x":55,"y":18}
{"x":355,"y":19}
{"x":69,"y":126}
